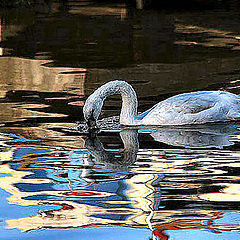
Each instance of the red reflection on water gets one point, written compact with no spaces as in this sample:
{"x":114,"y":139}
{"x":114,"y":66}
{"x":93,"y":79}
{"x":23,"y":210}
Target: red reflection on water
{"x":85,"y":193}
{"x":158,"y":232}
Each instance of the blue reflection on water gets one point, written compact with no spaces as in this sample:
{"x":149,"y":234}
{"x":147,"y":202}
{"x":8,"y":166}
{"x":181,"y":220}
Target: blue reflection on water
{"x":75,"y":178}
{"x":201,"y":234}
{"x":112,"y":233}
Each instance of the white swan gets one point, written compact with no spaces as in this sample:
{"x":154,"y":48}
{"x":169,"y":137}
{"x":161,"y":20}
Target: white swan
{"x":183,"y":109}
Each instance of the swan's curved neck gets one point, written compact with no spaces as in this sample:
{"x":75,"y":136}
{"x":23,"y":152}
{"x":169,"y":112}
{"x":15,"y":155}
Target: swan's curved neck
{"x":128,"y":114}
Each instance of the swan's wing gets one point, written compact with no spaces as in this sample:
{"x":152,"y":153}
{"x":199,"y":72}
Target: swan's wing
{"x":186,"y":103}
{"x":192,"y":108}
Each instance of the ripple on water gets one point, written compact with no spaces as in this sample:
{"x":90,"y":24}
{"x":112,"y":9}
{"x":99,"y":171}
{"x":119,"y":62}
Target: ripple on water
{"x":162,"y":189}
{"x":171,"y":183}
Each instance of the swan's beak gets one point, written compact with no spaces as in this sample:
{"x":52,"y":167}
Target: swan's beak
{"x":92,"y":123}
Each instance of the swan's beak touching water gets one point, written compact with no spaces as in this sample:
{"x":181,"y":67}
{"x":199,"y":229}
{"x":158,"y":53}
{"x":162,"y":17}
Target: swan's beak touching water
{"x":91,"y":111}
{"x":91,"y":122}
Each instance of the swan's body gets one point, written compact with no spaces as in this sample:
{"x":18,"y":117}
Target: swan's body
{"x":183,"y":109}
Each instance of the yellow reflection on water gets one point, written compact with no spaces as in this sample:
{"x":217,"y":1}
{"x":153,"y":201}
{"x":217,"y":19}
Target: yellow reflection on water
{"x":8,"y":184}
{"x":231,"y":192}
{"x":31,"y":74}
{"x":216,"y":38}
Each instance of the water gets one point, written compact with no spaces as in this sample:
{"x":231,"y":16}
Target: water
{"x":57,"y":182}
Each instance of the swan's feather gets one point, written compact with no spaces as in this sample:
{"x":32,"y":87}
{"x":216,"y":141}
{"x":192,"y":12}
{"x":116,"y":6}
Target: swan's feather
{"x":195,"y":108}
{"x":183,"y":109}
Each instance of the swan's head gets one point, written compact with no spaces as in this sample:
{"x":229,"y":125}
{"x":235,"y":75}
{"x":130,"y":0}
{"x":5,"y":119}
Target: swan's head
{"x":92,"y":109}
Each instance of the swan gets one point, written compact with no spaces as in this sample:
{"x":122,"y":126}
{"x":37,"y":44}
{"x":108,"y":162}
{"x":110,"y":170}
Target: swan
{"x":184,"y":109}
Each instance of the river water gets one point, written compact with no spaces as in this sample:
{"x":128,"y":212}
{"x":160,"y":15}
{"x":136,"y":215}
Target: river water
{"x":57,"y":182}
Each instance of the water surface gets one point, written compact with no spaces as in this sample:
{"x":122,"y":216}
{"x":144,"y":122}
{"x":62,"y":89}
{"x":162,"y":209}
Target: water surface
{"x":145,"y":183}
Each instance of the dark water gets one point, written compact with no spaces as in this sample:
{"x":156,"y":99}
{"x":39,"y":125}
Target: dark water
{"x":148,"y":183}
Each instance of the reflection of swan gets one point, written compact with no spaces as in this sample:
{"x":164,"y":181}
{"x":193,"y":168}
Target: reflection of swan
{"x":189,"y":108}
{"x":115,"y":159}
{"x":202,"y":136}
{"x":199,"y":136}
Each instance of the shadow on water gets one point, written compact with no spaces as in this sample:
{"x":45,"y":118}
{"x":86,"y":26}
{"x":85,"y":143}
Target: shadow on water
{"x":159,"y":182}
